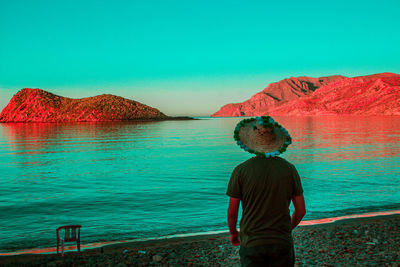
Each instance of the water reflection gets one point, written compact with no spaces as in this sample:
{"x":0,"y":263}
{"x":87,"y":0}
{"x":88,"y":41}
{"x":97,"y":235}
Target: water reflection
{"x":49,"y":131}
{"x":344,"y":138}
{"x":34,"y":138}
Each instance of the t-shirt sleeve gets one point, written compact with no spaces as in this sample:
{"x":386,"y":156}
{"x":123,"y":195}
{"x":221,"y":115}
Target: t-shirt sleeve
{"x":297,"y":187}
{"x":234,"y":188}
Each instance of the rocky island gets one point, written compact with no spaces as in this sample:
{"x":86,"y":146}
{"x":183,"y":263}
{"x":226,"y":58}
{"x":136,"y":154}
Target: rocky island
{"x":377,"y":94}
{"x":36,"y":105}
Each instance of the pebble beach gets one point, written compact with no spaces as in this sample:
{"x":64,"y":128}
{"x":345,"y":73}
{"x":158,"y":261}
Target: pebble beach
{"x":371,"y":241}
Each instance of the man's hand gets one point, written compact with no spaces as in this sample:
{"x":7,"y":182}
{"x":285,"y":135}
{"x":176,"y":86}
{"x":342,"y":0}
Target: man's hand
{"x":299,"y":210}
{"x":235,"y":239}
{"x":233,"y":210}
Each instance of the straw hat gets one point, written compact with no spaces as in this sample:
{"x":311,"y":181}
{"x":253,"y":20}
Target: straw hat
{"x":262,"y":136}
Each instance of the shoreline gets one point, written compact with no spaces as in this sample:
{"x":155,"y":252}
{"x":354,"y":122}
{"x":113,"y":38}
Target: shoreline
{"x":198,"y":235}
{"x":352,"y":238}
{"x":94,"y":245}
{"x":176,"y":118}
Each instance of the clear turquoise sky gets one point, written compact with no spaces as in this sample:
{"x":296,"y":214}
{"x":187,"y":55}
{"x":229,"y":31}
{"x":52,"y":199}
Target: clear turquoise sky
{"x":190,"y":57}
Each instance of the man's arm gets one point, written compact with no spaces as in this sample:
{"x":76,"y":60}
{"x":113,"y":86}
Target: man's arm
{"x":233,"y":210}
{"x":299,"y":210}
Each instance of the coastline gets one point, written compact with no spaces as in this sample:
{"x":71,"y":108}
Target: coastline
{"x":168,"y":118}
{"x":365,"y":240}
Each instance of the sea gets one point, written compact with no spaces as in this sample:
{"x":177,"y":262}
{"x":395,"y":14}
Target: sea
{"x":144,"y":180}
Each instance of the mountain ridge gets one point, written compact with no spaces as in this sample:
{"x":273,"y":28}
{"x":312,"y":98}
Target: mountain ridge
{"x":37,"y":105}
{"x":275,"y":94}
{"x":316,"y":94}
{"x":377,"y":94}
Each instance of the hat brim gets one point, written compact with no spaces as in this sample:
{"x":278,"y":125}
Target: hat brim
{"x":262,"y":136}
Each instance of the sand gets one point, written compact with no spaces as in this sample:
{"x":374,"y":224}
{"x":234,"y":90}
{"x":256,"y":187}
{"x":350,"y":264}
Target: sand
{"x":355,"y":242}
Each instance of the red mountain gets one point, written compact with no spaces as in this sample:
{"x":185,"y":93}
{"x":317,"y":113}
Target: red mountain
{"x":36,"y":105}
{"x":377,"y":94}
{"x":275,"y":95}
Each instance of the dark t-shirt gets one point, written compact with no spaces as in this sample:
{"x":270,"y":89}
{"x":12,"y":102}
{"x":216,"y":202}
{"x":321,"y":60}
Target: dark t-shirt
{"x":265,"y":187}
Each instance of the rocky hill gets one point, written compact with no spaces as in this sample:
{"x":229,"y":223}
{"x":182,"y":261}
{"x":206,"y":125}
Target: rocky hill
{"x":274,"y":95}
{"x":377,"y":94}
{"x":36,"y":105}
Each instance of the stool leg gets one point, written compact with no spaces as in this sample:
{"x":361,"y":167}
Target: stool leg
{"x":62,"y":248}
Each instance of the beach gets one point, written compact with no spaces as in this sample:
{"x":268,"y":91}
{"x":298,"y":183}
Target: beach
{"x":373,"y":241}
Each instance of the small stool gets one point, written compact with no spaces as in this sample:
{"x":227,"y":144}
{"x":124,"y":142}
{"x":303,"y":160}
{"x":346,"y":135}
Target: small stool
{"x":70,"y":235}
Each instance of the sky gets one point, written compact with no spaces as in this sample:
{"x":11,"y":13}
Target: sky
{"x":189,"y":57}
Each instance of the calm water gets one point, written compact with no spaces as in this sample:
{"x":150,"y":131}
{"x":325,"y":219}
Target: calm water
{"x":150,"y":179}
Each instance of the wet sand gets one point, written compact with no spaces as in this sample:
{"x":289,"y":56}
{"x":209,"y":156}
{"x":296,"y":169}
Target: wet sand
{"x":373,"y":241}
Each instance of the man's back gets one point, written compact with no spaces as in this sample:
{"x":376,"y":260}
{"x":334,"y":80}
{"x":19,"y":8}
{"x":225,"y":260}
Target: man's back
{"x":265,"y":186}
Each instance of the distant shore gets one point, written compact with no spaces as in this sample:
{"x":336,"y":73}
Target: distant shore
{"x":177,"y":118}
{"x":370,"y":241}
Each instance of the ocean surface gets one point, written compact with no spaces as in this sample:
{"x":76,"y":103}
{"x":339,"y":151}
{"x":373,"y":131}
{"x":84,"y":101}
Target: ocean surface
{"x":135,"y":180}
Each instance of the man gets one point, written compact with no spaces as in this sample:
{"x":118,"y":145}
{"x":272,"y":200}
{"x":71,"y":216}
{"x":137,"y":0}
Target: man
{"x":265,"y":184}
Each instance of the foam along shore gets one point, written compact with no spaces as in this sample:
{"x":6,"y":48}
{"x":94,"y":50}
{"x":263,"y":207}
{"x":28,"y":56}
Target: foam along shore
{"x":371,"y":239}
